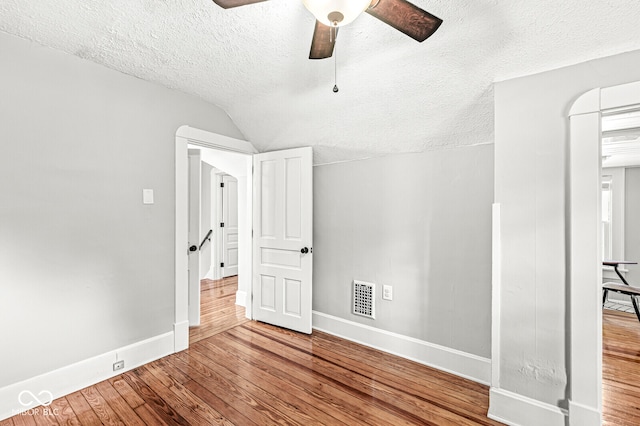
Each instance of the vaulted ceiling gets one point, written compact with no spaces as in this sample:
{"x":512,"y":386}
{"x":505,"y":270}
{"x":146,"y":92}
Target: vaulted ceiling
{"x":396,"y":95}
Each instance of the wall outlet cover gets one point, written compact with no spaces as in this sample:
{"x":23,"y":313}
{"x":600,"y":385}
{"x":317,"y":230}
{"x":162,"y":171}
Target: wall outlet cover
{"x":147,"y":196}
{"x":387,"y":292}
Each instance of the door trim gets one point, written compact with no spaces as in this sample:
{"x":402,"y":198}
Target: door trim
{"x":188,"y":135}
{"x":585,"y":403}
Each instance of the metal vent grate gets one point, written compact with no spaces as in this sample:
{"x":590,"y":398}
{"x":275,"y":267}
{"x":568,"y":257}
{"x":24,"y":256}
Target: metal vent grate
{"x":364,"y":299}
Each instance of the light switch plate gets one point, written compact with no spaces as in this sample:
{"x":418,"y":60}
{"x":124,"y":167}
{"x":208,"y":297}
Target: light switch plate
{"x":147,"y":196}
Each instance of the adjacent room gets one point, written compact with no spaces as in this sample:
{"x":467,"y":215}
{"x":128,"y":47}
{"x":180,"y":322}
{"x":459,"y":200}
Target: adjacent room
{"x":306,"y":212}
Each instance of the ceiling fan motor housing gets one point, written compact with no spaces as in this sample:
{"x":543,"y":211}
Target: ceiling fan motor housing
{"x":336,"y":13}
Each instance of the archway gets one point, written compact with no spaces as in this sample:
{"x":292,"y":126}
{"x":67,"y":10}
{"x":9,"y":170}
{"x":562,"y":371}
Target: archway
{"x":585,"y":405}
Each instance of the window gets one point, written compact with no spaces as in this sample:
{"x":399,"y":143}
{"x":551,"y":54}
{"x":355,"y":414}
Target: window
{"x":612,"y":226}
{"x":607,"y":216}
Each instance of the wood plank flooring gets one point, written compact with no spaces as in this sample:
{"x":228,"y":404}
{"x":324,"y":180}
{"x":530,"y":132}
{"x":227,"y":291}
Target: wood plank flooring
{"x":620,"y":368}
{"x":255,"y":374}
{"x":218,"y":309}
{"x":239,"y":372}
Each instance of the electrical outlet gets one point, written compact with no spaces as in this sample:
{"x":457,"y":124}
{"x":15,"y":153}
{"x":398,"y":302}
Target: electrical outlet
{"x":387,"y":292}
{"x":118,"y":365}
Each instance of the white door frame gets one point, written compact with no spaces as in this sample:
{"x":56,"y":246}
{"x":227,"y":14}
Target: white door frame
{"x":585,"y":269}
{"x":194,"y":234}
{"x":186,"y":135}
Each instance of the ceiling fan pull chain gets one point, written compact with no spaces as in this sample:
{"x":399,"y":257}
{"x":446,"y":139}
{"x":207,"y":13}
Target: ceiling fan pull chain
{"x":335,"y":69}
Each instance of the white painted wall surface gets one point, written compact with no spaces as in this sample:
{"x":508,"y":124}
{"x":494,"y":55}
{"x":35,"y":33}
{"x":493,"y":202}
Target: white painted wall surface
{"x":420,"y":223}
{"x":85,"y":267}
{"x":532,"y":134}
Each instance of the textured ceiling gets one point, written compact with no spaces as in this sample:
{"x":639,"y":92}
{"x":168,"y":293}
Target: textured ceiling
{"x":396,"y":95}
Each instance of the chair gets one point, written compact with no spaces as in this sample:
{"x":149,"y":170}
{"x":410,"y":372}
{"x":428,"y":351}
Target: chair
{"x":624,"y":288}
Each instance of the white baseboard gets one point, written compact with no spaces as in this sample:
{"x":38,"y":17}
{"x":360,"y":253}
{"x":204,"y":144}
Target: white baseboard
{"x":241,"y":298}
{"x":450,"y":360}
{"x":74,"y":377}
{"x":580,"y":415}
{"x":518,"y":410}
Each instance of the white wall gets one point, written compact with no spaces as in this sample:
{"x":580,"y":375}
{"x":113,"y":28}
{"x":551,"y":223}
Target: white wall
{"x":531,"y":187}
{"x":418,"y":222}
{"x":85,"y":267}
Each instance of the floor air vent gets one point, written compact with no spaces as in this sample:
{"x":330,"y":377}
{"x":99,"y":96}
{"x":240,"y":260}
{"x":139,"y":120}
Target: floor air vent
{"x":364,"y":298}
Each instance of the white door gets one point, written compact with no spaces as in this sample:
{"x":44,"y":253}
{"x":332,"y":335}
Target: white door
{"x":230,"y":228}
{"x":194,"y":237}
{"x":282,"y":243}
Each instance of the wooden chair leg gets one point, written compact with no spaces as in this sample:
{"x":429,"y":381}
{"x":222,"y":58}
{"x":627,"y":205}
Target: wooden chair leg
{"x":605,"y":293}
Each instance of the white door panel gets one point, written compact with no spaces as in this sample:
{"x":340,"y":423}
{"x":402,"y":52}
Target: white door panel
{"x":230,"y":229}
{"x":283,"y":230}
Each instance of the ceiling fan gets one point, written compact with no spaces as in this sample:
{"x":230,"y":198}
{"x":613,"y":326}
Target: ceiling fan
{"x":331,"y":14}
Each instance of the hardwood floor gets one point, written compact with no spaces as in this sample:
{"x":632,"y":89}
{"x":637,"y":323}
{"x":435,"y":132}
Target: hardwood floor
{"x":239,"y":372}
{"x":620,"y":368}
{"x":255,"y":374}
{"x":218,"y":309}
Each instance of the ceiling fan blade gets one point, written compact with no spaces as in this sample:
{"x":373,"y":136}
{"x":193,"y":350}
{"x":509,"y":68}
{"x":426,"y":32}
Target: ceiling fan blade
{"x":406,"y":17}
{"x":227,"y":4}
{"x":324,"y":39}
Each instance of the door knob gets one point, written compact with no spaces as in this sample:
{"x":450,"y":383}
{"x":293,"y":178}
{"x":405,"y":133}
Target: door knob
{"x":304,"y":250}
{"x":193,"y":248}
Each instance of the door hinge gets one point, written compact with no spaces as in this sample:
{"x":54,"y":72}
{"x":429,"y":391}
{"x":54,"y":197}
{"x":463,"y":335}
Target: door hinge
{"x":222,"y":265}
{"x":221,"y":184}
{"x":221,"y":224}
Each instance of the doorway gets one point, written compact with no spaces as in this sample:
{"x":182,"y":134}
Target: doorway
{"x":277,"y":203}
{"x":214,"y":202}
{"x":585,"y":242}
{"x":620,"y":247}
{"x":213,"y":227}
{"x":236,"y":156}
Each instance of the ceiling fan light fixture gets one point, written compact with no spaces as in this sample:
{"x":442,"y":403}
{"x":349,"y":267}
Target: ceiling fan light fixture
{"x":336,"y":13}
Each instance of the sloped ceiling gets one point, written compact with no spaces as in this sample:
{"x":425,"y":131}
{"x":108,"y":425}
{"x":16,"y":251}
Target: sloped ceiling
{"x":396,"y":95}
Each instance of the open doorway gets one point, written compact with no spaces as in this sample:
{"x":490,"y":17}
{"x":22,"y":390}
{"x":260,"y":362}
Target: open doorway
{"x":585,"y":248}
{"x":620,"y":230}
{"x":213,"y":214}
{"x":231,"y":157}
{"x":214,"y":228}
